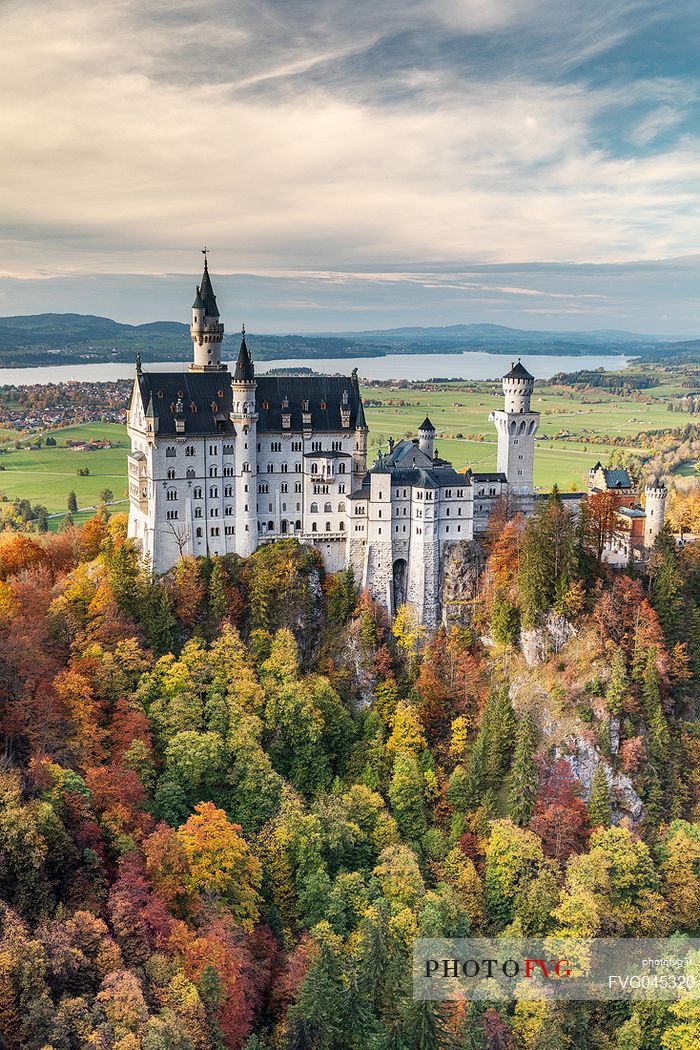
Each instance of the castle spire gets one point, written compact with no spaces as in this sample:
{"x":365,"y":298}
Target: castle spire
{"x":206,"y":329}
{"x":245,"y":371}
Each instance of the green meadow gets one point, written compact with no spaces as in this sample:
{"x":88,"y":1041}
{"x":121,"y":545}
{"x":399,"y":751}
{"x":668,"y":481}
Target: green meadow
{"x":47,"y":475}
{"x":465,"y":436}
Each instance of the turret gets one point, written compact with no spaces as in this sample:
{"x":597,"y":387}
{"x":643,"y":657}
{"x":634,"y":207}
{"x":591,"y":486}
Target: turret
{"x":517,"y":425}
{"x":206,"y":329}
{"x":655,"y":507}
{"x":518,"y":385}
{"x":244,"y":417}
{"x":359,"y":456}
{"x":426,"y":437}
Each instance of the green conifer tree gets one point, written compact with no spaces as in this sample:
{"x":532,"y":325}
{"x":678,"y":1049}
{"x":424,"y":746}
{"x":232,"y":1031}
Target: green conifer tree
{"x":599,"y":801}
{"x":72,"y":502}
{"x":618,"y":685}
{"x":523,"y":780}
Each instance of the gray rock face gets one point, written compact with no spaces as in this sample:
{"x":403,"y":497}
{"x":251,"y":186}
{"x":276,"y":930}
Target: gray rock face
{"x":462,"y":565}
{"x":539,"y":643}
{"x":583,"y":757}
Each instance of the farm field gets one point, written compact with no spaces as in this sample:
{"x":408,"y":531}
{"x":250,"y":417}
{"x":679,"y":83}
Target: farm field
{"x":47,"y":475}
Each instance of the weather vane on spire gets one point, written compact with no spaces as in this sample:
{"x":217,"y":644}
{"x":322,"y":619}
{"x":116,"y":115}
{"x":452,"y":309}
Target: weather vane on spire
{"x":205,"y":252}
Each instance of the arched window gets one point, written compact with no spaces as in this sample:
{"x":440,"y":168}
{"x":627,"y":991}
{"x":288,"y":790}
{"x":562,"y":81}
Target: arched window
{"x":341,"y":468}
{"x":284,"y":526}
{"x":314,"y":508}
{"x":190,"y":472}
{"x":314,"y":527}
{"x":198,"y":534}
{"x":171,"y":475}
{"x":341,"y":508}
{"x":342,"y":526}
{"x":270,"y":526}
{"x":521,"y":429}
{"x":198,"y":492}
{"x":327,"y":508}
{"x":297,"y":526}
{"x":171,"y":494}
{"x":197,"y":512}
{"x":328,"y":526}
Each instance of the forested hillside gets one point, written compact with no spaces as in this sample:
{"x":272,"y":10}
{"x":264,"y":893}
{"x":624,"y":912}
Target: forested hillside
{"x":231,"y":798}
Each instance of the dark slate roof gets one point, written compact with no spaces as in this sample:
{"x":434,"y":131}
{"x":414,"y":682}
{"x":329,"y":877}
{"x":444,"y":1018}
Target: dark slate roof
{"x":244,"y":371}
{"x":426,"y":425}
{"x":488,"y":477}
{"x":437,"y":477}
{"x":207,"y":293}
{"x":617,"y":479}
{"x":327,"y":454}
{"x":198,"y":303}
{"x":317,"y":390}
{"x":518,"y":371}
{"x":631,"y":512}
{"x":160,"y":392}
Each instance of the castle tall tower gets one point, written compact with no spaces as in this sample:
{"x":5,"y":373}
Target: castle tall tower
{"x":244,"y":417}
{"x":655,"y":507}
{"x":206,"y":329}
{"x":517,"y":425}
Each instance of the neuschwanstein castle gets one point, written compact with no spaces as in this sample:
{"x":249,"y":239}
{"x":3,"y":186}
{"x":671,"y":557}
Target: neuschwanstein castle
{"x":222,"y":462}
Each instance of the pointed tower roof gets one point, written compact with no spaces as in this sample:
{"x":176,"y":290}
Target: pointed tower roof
{"x":426,"y":425}
{"x":245,"y":372}
{"x":518,"y":371}
{"x":150,"y":410}
{"x":206,"y":293}
{"x":198,"y":303}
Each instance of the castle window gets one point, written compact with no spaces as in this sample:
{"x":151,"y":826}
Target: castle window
{"x":213,"y":472}
{"x":314,"y":526}
{"x":341,"y":508}
{"x":198,"y":512}
{"x":266,"y":405}
{"x":337,"y":446}
{"x":283,"y":468}
{"x":296,"y":446}
{"x":213,"y":492}
{"x":170,"y":451}
{"x":171,"y":475}
{"x":297,"y":486}
{"x":342,"y":526}
{"x":214,"y":532}
{"x":213,"y":512}
{"x":228,"y":490}
{"x":341,"y":487}
{"x":284,"y":507}
{"x":228,"y":511}
{"x":447,"y":528}
{"x":447,"y":514}
{"x":228,"y":450}
{"x":404,"y":528}
{"x":459,"y":512}
{"x":379,"y":532}
{"x":263,"y":488}
{"x":297,"y":468}
{"x":314,"y":468}
{"x":327,"y":508}
{"x":459,"y":528}
{"x":171,"y":494}
{"x":270,"y":468}
{"x":284,"y":487}
{"x":228,"y":472}
{"x":284,"y":526}
{"x":275,"y":446}
{"x":229,"y":530}
{"x":520,"y":473}
{"x":492,"y":492}
{"x":213,"y":450}
{"x":341,"y":468}
{"x":516,"y":441}
{"x":314,"y":508}
{"x":270,"y":526}
{"x":197,"y":493}
{"x":297,"y":526}
{"x":460,"y":493}
{"x":324,"y":406}
{"x":269,"y":507}
{"x":359,"y":528}
{"x":245,"y":469}
{"x":190,"y":473}
{"x":171,"y":515}
{"x":189,"y":450}
{"x":315,"y":446}
{"x":198,"y":534}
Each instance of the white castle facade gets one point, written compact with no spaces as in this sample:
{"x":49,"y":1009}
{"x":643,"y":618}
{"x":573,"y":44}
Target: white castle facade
{"x":223,"y":462}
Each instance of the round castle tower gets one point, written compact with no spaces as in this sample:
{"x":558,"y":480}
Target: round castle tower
{"x":518,"y":386}
{"x":206,"y":329}
{"x":244,"y":417}
{"x":655,"y":507}
{"x":426,"y":437}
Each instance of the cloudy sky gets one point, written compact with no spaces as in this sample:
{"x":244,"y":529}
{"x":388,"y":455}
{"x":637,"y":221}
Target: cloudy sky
{"x":354,"y":163}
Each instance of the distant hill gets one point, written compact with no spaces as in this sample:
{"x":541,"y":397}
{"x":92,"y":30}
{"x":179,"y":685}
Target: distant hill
{"x":70,"y":338}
